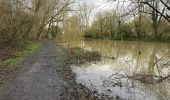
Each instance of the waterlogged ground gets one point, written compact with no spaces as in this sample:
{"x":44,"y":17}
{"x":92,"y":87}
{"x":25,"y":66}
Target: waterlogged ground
{"x":121,"y":60}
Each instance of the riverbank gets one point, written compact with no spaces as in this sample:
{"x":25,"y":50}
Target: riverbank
{"x":44,"y":75}
{"x":131,"y":39}
{"x":73,"y":90}
{"x":50,"y":70}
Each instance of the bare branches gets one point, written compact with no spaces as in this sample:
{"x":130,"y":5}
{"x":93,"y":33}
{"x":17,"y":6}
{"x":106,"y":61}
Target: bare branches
{"x":22,"y":19}
{"x":161,"y":13}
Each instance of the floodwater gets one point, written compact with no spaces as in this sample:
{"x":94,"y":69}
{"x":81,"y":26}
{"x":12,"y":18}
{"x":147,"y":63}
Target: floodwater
{"x":121,"y":59}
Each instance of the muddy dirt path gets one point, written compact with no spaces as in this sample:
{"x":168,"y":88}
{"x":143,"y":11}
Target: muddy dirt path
{"x":38,"y":79}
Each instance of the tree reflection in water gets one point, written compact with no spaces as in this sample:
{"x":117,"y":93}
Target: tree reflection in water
{"x":139,"y":70}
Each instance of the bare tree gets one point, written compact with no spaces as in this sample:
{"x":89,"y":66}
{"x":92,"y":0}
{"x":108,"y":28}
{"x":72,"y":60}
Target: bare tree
{"x":84,"y":13}
{"x":164,"y":3}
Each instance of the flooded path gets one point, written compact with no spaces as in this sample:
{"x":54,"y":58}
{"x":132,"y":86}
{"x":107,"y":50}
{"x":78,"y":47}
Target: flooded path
{"x":122,"y":59}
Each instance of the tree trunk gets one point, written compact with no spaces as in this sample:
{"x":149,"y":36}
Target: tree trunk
{"x":39,"y":32}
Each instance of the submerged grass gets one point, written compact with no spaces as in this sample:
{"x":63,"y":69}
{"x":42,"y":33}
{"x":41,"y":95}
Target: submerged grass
{"x":78,"y":56}
{"x":73,"y":90}
{"x":10,"y":62}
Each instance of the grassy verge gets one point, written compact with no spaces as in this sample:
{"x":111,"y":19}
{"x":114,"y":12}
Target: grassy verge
{"x":11,"y":62}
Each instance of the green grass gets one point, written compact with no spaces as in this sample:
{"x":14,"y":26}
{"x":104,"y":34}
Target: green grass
{"x":12,"y":63}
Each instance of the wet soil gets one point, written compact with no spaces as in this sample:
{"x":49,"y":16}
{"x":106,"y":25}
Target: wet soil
{"x":38,"y":78}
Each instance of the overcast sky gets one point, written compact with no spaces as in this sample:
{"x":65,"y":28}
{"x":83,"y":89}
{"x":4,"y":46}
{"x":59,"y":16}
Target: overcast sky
{"x":102,"y":5}
{"x":95,"y":2}
{"x":98,"y":4}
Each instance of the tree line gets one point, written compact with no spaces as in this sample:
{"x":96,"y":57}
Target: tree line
{"x":23,"y":20}
{"x":129,"y":19}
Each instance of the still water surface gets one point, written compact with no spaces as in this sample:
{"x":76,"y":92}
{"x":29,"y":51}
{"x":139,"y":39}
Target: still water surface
{"x":125,"y":58}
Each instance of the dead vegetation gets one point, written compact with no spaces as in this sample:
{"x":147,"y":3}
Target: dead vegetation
{"x":77,"y":56}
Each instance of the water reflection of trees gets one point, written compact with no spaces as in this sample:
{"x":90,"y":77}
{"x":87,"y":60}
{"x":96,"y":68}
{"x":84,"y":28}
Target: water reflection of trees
{"x":137,"y":60}
{"x":147,"y":62}
{"x":137,"y":57}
